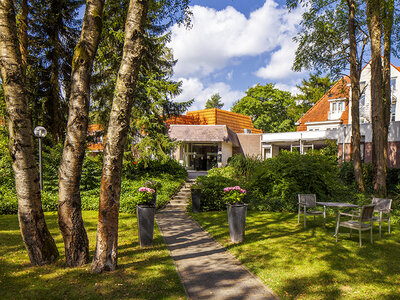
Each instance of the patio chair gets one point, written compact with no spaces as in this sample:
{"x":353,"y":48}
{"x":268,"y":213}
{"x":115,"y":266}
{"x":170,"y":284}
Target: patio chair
{"x":382,"y":206}
{"x":361,"y":222}
{"x":307,"y":201}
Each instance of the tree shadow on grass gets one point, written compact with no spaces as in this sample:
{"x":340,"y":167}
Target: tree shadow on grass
{"x":142,"y":273}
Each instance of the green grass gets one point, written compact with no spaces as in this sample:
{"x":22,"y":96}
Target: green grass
{"x":306,"y":263}
{"x":141,"y":274}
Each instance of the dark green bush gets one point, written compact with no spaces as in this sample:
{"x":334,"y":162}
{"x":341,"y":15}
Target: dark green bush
{"x":275,"y":183}
{"x":146,"y":168}
{"x":212,"y":191}
{"x":244,"y":166}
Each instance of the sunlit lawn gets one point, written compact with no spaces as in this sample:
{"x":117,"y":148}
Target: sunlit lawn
{"x":307,"y":263}
{"x":141,"y":274}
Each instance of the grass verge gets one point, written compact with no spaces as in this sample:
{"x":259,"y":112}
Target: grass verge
{"x":142,"y":273}
{"x":300,"y":263}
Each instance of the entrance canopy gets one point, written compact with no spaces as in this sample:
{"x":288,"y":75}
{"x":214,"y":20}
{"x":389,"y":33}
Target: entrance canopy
{"x":203,"y":133}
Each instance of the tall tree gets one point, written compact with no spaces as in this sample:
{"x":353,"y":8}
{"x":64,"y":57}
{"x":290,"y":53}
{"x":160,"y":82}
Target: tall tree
{"x":355,"y":72}
{"x":37,"y":239}
{"x":69,"y":203}
{"x":377,"y":101}
{"x":214,"y":101}
{"x":312,"y":89}
{"x":328,"y":40}
{"x":106,"y":253}
{"x":54,"y":31}
{"x":270,"y":109}
{"x":387,"y":22}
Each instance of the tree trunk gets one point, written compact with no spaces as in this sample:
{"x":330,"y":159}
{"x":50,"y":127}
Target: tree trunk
{"x":377,"y":105}
{"x":388,"y":9}
{"x":38,"y":241}
{"x":23,"y":33}
{"x":106,"y":253}
{"x":69,"y":203}
{"x":355,"y":97}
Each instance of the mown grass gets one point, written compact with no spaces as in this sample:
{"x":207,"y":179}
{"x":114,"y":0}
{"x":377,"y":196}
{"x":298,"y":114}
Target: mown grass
{"x":142,"y":273}
{"x":300,"y":263}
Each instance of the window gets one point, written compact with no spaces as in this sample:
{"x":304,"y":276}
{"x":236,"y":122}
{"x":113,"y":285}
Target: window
{"x":334,"y":106}
{"x":267,"y":152}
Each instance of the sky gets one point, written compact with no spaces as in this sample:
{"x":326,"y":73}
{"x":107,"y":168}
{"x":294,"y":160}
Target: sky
{"x":233,"y":45}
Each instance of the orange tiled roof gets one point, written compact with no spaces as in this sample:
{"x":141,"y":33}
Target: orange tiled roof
{"x":319,"y":112}
{"x":214,"y":116}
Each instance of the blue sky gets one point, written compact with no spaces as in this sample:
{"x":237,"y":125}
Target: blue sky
{"x":234,"y":45}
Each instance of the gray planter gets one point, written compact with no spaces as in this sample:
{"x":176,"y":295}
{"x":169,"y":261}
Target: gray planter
{"x":237,"y":221}
{"x":145,"y":216}
{"x":196,"y":197}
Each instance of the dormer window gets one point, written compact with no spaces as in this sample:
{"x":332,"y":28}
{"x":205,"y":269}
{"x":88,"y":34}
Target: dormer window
{"x":337,"y":107}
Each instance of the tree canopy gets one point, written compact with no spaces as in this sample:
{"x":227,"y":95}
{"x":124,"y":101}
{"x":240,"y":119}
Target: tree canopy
{"x":214,"y":101}
{"x":270,"y":109}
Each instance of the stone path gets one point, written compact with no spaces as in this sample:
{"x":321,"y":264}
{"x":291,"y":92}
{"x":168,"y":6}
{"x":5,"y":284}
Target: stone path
{"x":206,"y":269}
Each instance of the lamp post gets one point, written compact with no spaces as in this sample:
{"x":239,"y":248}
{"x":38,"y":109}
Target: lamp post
{"x":40,"y":132}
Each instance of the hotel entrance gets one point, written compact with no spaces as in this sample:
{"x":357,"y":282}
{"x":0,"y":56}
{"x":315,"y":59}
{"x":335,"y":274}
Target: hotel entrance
{"x":201,"y":156}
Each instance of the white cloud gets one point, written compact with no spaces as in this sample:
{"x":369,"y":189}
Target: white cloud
{"x":280,"y":63}
{"x":220,"y":36}
{"x":194,"y":89}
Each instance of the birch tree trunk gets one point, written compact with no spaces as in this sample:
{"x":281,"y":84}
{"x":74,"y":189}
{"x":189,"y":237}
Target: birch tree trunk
{"x":377,"y":103}
{"x":23,"y":33}
{"x":355,"y":71}
{"x":106,"y":253}
{"x":37,"y":239}
{"x":69,"y":202}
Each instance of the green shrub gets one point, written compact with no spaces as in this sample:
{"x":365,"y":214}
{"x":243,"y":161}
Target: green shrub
{"x":212,"y":191}
{"x":275,"y":183}
{"x":244,"y":165}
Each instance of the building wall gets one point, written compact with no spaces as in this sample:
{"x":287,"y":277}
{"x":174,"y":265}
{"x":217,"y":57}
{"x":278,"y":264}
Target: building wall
{"x":250,"y":143}
{"x":226,"y":149}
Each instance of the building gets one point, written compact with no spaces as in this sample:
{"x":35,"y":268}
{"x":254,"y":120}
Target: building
{"x":209,"y":137}
{"x":330,"y":119}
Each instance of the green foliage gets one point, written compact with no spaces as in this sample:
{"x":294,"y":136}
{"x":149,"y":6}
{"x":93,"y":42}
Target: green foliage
{"x":277,"y":181}
{"x":91,"y":172}
{"x":212,"y":192}
{"x":145,"y":196}
{"x":214,"y":102}
{"x":244,"y":166}
{"x":150,"y":167}
{"x":234,"y":194}
{"x":312,"y":89}
{"x":270,"y":109}
{"x":6,"y":171}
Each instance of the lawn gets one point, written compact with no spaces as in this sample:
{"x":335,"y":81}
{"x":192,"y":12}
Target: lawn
{"x":306,"y":263}
{"x":142,"y":273}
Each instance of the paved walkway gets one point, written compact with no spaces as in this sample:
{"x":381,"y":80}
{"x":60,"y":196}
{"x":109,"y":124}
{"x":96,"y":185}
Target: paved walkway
{"x":206,"y":269}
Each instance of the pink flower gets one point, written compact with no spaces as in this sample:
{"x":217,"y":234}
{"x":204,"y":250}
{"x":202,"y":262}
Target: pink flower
{"x":146,"y":189}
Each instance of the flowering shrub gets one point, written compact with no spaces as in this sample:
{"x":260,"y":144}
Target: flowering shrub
{"x":146,"y":196}
{"x":234,"y":194}
{"x":153,"y":184}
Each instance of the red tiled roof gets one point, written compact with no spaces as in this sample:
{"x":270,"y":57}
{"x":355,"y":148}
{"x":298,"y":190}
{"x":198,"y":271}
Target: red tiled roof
{"x":319,"y":111}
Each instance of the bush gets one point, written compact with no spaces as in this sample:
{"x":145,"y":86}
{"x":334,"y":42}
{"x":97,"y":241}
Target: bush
{"x":276,"y":182}
{"x":212,"y":191}
{"x":147,"y":168}
{"x":244,"y":166}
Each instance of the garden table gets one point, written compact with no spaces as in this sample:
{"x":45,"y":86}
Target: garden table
{"x":337,"y":205}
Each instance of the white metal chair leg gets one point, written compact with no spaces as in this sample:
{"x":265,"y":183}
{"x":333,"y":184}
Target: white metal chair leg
{"x":380,"y":224}
{"x":389,"y":222}
{"x":359,"y":234}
